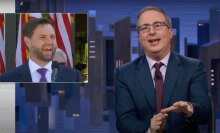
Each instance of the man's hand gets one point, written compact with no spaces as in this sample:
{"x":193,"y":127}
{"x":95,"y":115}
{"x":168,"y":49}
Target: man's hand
{"x":179,"y":107}
{"x":158,"y":123}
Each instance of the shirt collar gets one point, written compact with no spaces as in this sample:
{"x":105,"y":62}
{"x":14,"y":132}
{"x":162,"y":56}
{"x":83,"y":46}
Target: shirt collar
{"x":165,"y":60}
{"x":34,"y":67}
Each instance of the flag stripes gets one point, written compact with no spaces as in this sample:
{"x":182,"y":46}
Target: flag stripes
{"x":2,"y":45}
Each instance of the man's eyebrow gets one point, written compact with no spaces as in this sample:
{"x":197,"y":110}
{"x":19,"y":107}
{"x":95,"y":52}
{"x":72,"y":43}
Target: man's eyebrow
{"x":158,"y":22}
{"x":41,"y":34}
{"x":152,"y":23}
{"x":144,"y":25}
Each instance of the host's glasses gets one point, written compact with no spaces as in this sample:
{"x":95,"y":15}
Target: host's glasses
{"x":146,"y":27}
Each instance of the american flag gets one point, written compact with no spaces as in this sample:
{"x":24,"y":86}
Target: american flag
{"x":21,"y":52}
{"x":62,"y":25}
{"x":2,"y":45}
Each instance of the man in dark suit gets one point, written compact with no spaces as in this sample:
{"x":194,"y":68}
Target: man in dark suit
{"x":161,"y":91}
{"x":40,"y":41}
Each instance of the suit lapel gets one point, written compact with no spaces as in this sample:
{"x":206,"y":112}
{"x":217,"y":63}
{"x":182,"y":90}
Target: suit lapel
{"x":25,"y":73}
{"x":172,"y":72}
{"x":144,"y":77}
{"x":60,"y":75}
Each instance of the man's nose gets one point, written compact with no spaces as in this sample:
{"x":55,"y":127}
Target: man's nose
{"x":152,"y":30}
{"x":49,"y":40}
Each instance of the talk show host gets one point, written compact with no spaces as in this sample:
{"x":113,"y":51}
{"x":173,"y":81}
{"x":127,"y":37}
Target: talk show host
{"x":162,"y":91}
{"x":40,"y":40}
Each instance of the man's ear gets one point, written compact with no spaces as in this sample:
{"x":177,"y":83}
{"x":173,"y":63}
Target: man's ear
{"x":27,"y":41}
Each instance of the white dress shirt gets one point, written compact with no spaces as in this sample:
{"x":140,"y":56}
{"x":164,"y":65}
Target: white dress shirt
{"x":36,"y":75}
{"x":163,"y":68}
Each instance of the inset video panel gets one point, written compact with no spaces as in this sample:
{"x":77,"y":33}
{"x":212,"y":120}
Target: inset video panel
{"x":44,"y":47}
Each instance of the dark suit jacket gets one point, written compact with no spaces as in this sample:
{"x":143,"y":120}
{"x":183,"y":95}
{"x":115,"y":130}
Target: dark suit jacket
{"x":22,"y":74}
{"x":135,"y":104}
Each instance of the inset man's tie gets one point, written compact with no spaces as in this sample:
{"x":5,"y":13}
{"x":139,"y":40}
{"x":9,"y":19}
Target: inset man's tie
{"x":42,"y":72}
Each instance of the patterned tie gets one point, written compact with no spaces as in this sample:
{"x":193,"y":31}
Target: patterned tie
{"x":42,"y":72}
{"x":158,"y":78}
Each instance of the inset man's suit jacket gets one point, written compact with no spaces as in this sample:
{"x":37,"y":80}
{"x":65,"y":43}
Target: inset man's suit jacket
{"x":22,"y":74}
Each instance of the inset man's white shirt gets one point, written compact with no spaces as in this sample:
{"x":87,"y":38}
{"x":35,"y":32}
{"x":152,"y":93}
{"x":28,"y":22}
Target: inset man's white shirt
{"x":36,"y":75}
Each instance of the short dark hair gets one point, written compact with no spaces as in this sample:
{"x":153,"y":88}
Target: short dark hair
{"x":150,"y":8}
{"x":29,"y":27}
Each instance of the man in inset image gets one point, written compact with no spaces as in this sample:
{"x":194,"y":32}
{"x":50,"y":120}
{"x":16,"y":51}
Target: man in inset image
{"x":40,"y":41}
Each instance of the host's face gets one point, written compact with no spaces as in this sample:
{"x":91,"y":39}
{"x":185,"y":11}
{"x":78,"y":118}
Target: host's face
{"x":42,"y":45}
{"x":156,"y":39}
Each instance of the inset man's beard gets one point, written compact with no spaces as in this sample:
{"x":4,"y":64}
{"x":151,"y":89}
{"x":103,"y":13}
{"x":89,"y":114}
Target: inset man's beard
{"x":39,"y":55}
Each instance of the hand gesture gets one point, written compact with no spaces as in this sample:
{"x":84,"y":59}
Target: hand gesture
{"x":179,"y":107}
{"x":158,"y":122}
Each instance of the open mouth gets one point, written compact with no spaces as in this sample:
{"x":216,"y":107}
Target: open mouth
{"x":154,"y":40}
{"x":47,"y":49}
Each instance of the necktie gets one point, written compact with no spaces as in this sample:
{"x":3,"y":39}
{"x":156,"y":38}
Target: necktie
{"x":42,"y":72}
{"x":158,"y":79}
